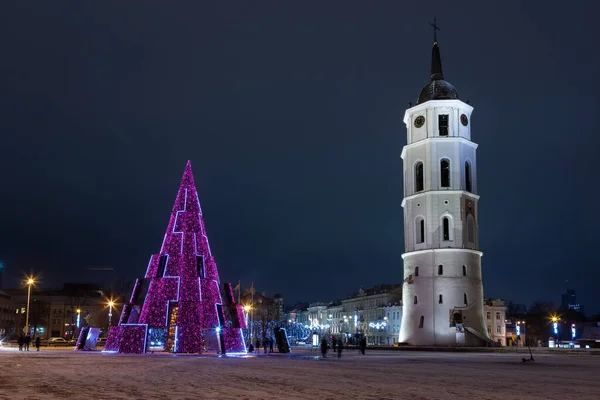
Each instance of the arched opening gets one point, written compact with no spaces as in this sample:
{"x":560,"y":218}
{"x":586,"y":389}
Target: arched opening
{"x":415,"y":300}
{"x":419,"y":177}
{"x":470,"y":229}
{"x":420,"y":230}
{"x":417,"y":271}
{"x":421,"y":321}
{"x":440,"y":269}
{"x":468,"y":177}
{"x":445,"y":172}
{"x":464,"y":270}
{"x":441,"y":301}
{"x":446,"y":228}
{"x":465,"y":299}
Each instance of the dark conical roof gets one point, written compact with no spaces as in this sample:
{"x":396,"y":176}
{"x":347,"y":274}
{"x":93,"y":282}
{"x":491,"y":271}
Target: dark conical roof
{"x":437,"y":88}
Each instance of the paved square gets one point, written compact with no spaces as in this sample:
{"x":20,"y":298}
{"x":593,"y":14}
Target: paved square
{"x":65,"y":374}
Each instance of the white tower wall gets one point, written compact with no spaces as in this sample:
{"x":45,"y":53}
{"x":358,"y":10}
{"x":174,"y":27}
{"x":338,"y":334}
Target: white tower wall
{"x":439,"y":261}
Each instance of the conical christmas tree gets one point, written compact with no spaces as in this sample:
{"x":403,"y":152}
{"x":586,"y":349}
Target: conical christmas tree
{"x":180,"y":306}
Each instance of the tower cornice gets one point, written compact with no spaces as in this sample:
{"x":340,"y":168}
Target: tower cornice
{"x":448,"y":250}
{"x":444,"y":139}
{"x":436,"y":103}
{"x":423,"y":193}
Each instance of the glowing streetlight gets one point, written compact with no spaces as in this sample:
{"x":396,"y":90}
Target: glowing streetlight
{"x":247,"y":308}
{"x":111,"y":304}
{"x":30,"y":282}
{"x":78,"y":316}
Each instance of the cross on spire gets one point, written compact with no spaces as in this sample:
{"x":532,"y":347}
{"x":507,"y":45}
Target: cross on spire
{"x":435,"y":29}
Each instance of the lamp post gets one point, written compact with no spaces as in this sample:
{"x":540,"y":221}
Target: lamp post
{"x":110,"y":307}
{"x":30,"y":282}
{"x":247,"y":309}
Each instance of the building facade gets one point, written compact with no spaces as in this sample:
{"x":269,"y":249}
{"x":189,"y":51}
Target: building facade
{"x":494,"y":311}
{"x":443,"y":291}
{"x":8,"y":316}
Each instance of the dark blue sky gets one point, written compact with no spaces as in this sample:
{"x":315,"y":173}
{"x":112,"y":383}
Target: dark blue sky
{"x":291,"y":113}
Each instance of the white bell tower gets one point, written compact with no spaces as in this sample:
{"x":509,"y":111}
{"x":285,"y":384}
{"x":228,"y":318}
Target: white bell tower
{"x":442,"y":290}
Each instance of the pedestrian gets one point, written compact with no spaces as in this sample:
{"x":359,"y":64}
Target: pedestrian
{"x":324,"y":347}
{"x":27,"y":341}
{"x":21,"y":341}
{"x":37,"y":343}
{"x":270,"y":345}
{"x":339,"y":348}
{"x":333,"y":343}
{"x":363,"y":345}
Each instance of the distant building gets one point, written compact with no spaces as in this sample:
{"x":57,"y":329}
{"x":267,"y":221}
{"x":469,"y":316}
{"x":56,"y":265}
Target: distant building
{"x":569,"y":301}
{"x":494,"y":311}
{"x":53,"y":312}
{"x":8,"y":316}
{"x":393,"y":319}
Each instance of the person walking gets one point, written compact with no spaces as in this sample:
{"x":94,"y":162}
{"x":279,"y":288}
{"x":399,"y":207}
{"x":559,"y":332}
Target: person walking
{"x":20,"y":342}
{"x":333,"y":344}
{"x":37,"y":343}
{"x":270,"y":345}
{"x":27,"y":341}
{"x":363,"y":345}
{"x":324,"y":347}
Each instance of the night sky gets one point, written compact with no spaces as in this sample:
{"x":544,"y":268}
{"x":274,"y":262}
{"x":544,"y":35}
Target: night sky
{"x":291,"y":113}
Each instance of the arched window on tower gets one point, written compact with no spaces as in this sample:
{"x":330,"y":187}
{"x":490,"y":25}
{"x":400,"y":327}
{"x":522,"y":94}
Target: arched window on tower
{"x":465,"y":299}
{"x":446,"y":227}
{"x":440,"y":269}
{"x":417,"y":270}
{"x":470,"y":229}
{"x":468,"y":187}
{"x":421,"y":321}
{"x":419,"y":177}
{"x":464,"y":270}
{"x":420,"y":230}
{"x":445,"y":172}
{"x":441,"y":301}
{"x":415,"y":300}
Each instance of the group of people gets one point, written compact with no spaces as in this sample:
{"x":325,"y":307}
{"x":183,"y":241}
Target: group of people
{"x":25,"y":341}
{"x":267,"y":342}
{"x":337,"y":345}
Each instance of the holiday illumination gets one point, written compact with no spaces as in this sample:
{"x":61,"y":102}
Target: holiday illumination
{"x":180,"y":303}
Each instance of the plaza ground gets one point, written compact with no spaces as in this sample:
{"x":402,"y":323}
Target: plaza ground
{"x":66,"y":374}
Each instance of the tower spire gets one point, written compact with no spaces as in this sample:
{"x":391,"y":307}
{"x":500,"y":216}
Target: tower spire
{"x":436,"y":58}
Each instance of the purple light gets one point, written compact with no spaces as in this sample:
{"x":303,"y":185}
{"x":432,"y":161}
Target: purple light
{"x":184,"y":283}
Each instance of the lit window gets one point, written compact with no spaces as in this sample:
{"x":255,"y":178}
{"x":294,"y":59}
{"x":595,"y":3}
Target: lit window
{"x":498,"y":316}
{"x":498,"y":329}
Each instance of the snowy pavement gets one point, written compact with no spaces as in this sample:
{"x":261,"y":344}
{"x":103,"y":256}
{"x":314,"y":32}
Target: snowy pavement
{"x":66,"y":374}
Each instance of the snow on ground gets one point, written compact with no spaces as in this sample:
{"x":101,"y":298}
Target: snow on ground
{"x":66,"y":374}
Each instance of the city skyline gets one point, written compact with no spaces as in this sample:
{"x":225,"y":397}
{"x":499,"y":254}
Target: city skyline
{"x":293,"y":122}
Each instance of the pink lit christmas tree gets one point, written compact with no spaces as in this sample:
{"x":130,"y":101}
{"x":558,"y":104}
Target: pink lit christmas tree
{"x":180,"y":305}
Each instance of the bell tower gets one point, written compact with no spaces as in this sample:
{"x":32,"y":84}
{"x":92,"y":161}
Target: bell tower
{"x":442,"y":290}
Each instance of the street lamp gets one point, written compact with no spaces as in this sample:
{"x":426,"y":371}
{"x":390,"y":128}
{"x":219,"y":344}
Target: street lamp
{"x":78,"y":316}
{"x":247,"y":309}
{"x":30,"y":282}
{"x":111,"y":304}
